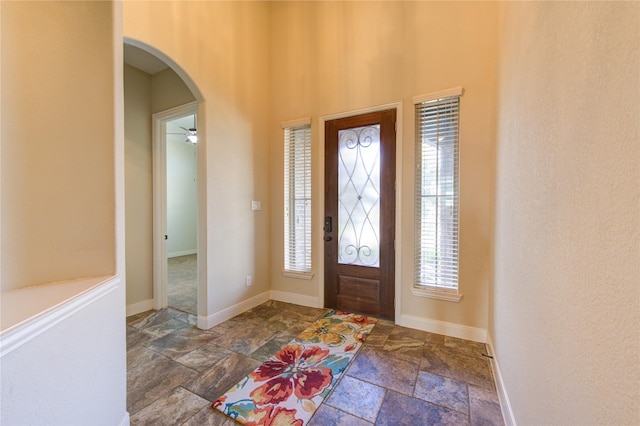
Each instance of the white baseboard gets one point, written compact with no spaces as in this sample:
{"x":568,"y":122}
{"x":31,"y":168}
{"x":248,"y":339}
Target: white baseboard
{"x":441,"y":327}
{"x":505,"y":404}
{"x":298,"y":299}
{"x":205,"y":323}
{"x":126,"y":420}
{"x":136,"y":308}
{"x":182,"y":253}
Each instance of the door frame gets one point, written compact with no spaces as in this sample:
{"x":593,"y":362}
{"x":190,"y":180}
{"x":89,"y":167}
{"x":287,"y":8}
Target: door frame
{"x":159,"y":161}
{"x":319,"y":211}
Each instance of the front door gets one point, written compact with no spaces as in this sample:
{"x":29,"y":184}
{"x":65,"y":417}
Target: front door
{"x":359,"y":223}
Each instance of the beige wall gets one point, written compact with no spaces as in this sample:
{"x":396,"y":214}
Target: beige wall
{"x":334,"y":57}
{"x":62,"y":215}
{"x":317,"y":70}
{"x":566,"y":298}
{"x":168,"y":91}
{"x":138,"y":185}
{"x":223,"y":48}
{"x":57,"y":142}
{"x":144,"y":95}
{"x":564,"y":310}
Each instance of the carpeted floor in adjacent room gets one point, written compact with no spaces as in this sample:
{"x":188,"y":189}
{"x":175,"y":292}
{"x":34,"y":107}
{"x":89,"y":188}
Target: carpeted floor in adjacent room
{"x":182,"y":290}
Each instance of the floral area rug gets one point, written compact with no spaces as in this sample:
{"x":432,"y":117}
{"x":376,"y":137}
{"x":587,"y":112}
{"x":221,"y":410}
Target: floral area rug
{"x":289,"y":387}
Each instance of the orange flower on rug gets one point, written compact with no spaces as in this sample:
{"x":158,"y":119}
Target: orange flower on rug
{"x":289,"y":386}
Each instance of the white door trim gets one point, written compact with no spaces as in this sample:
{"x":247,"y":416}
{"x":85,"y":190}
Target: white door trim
{"x":319,"y":253}
{"x":159,"y":153}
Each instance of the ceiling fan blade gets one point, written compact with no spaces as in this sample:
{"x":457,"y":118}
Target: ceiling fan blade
{"x":189,"y":131}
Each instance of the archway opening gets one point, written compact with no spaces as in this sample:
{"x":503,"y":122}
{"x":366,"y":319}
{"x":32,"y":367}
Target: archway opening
{"x":158,"y":95}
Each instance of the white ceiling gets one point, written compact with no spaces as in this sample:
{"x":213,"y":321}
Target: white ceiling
{"x":174,"y":126}
{"x":175,"y":130}
{"x":142,"y":60}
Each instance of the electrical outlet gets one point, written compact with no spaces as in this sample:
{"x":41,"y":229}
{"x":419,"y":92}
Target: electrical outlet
{"x":248,"y":281}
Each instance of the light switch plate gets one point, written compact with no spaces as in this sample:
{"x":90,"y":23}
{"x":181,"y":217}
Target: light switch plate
{"x":255,"y":205}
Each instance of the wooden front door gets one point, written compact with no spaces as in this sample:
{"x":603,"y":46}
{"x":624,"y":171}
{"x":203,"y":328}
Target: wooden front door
{"x":359,"y":223}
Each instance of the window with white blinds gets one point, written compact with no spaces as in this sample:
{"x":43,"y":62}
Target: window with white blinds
{"x":437,"y":193}
{"x":297,"y":197}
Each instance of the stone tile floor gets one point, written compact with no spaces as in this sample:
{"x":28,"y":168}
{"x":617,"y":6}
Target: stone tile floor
{"x":400,"y":376}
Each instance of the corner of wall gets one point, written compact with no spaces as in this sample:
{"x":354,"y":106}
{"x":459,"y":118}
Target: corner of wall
{"x":505,"y":404}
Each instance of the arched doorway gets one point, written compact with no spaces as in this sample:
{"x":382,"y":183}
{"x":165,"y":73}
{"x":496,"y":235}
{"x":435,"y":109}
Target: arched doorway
{"x":147,"y":252}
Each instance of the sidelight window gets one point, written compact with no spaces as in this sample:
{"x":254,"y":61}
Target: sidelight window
{"x":437,"y":203}
{"x":297,"y":196}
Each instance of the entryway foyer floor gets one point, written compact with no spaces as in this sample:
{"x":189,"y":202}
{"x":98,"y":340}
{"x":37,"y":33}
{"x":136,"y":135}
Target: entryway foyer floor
{"x":400,"y":376}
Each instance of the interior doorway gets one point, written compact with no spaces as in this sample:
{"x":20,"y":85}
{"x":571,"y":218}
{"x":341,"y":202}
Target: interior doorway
{"x":182,"y":243}
{"x":175,"y":206}
{"x":157,"y":91}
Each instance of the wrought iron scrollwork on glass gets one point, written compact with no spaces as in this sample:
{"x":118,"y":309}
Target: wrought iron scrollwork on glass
{"x":359,"y":196}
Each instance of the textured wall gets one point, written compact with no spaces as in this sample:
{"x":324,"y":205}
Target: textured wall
{"x":75,"y":369}
{"x":335,"y":57}
{"x":566,"y":296}
{"x":168,"y":91}
{"x":61,"y":215}
{"x":57,"y":142}
{"x":138,"y":185}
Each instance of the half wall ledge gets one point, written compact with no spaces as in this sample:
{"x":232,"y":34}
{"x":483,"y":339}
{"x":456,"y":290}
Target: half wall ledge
{"x":29,"y":311}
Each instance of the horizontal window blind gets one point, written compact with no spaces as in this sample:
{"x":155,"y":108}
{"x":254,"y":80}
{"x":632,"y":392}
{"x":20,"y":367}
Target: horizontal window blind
{"x":437,"y":193}
{"x":297,"y":198}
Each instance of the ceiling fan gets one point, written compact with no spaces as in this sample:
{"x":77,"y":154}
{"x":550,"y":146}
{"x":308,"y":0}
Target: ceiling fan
{"x":191,"y":133}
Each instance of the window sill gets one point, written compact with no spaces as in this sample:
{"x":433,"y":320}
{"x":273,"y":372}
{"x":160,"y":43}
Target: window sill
{"x":437,"y":294}
{"x":298,"y":275}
